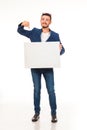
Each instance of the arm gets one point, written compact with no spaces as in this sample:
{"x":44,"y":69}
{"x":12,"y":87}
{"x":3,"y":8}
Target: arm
{"x":62,"y":49}
{"x":21,"y":29}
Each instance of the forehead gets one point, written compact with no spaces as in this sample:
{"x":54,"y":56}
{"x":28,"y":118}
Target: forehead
{"x":45,"y":16}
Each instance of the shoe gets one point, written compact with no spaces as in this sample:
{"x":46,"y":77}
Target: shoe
{"x":35,"y":117}
{"x":54,"y":119}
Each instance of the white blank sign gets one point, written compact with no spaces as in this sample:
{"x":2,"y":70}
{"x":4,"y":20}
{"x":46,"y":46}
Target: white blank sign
{"x":41,"y":54}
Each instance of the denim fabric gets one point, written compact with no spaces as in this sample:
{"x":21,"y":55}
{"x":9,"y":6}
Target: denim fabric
{"x":49,"y":79}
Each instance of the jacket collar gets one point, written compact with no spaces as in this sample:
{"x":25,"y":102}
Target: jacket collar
{"x":49,"y":39}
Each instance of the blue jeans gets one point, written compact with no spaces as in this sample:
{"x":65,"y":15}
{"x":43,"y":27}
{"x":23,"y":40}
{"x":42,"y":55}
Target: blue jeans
{"x":49,"y":79}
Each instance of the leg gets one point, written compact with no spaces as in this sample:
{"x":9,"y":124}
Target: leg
{"x":49,"y":78}
{"x":36,"y":77}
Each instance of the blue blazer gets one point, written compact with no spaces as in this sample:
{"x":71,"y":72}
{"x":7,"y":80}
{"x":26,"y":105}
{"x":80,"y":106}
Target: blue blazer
{"x":35,"y":35}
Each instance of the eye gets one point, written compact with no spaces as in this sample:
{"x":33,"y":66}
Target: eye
{"x":42,"y":19}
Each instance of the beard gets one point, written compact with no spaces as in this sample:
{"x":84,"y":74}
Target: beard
{"x":45,"y":26}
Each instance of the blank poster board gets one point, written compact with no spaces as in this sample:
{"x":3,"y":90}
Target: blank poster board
{"x":41,"y":55}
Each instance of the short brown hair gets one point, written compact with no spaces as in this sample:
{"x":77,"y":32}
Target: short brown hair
{"x":47,"y":15}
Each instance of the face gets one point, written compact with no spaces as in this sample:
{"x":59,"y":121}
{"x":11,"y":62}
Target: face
{"x":45,"y":21}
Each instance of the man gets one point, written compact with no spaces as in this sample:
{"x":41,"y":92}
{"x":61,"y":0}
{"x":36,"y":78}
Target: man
{"x":40,"y":35}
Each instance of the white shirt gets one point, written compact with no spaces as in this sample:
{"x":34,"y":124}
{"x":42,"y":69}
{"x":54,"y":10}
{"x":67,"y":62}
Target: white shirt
{"x":45,"y":36}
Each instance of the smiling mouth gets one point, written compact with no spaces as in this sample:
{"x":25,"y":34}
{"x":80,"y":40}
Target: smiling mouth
{"x":44,"y":23}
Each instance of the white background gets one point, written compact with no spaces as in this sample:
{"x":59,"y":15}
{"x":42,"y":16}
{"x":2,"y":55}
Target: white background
{"x":69,"y":19}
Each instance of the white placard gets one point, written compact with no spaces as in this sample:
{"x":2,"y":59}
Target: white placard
{"x":41,"y":54}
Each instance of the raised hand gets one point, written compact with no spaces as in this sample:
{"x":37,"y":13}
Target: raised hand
{"x":25,"y":24}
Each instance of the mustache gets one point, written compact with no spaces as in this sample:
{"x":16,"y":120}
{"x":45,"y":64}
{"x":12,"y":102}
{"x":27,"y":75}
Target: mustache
{"x":44,"y":23}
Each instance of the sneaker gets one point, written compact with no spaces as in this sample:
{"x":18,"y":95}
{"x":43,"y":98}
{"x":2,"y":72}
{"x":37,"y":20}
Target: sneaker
{"x":35,"y":117}
{"x":54,"y":119}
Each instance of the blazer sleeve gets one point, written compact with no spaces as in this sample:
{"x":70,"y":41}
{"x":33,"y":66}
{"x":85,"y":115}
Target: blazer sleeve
{"x":63,"y":49}
{"x":24,"y":32}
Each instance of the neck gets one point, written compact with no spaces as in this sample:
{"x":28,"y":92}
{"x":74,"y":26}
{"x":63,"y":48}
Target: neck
{"x":45,"y":30}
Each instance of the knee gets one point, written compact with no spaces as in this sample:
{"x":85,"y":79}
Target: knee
{"x":51,"y":91}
